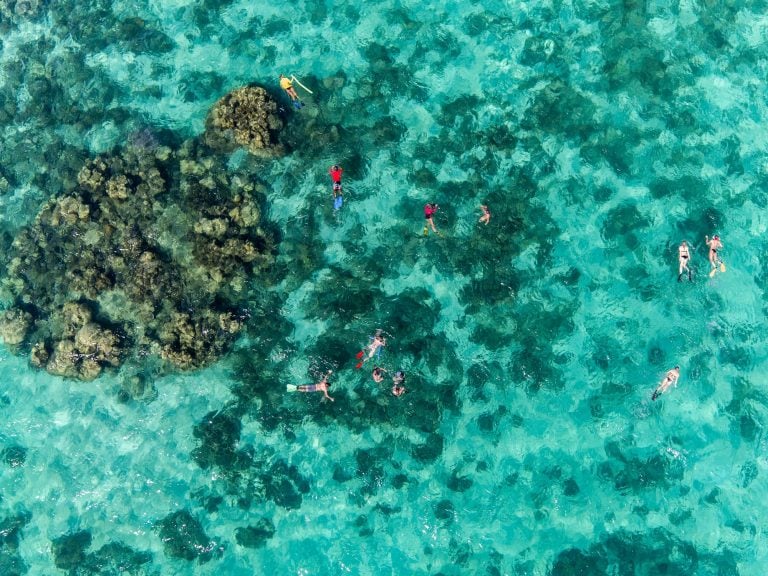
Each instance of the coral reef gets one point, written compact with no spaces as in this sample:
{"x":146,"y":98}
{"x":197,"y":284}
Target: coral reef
{"x":151,"y":250}
{"x":246,"y":117}
{"x":69,"y":549}
{"x":14,"y":326}
{"x":11,"y":562}
{"x":18,"y":10}
{"x":255,"y":536}
{"x":14,"y":456}
{"x":183,"y":537}
{"x":70,"y":553}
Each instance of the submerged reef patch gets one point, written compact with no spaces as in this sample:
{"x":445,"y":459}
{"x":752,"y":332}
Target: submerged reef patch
{"x":245,"y":117}
{"x":70,"y":553}
{"x":151,"y":251}
{"x":183,"y":537}
{"x":11,"y":562}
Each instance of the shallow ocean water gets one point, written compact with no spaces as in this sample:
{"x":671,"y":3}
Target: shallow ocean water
{"x":600,"y":134}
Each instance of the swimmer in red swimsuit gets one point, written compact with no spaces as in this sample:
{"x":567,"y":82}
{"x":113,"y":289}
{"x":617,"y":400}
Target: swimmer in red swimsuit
{"x":429,"y":211}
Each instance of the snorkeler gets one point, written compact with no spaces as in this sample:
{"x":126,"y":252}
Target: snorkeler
{"x":377,"y":342}
{"x":486,"y":217}
{"x":398,"y":381}
{"x":287,"y":85}
{"x":429,"y":211}
{"x":378,"y":374}
{"x":335,"y":172}
{"x":670,"y":379}
{"x":714,"y":245}
{"x":683,"y":258}
{"x":321,"y":386}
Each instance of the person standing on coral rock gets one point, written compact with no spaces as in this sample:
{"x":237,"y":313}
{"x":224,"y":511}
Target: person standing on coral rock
{"x":287,"y":85}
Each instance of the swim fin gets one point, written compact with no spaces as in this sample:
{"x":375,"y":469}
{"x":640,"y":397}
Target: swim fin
{"x":291,"y":388}
{"x":722,"y":266}
{"x":712,"y":272}
{"x":360,"y":354}
{"x":426,"y":231}
{"x":297,"y":104}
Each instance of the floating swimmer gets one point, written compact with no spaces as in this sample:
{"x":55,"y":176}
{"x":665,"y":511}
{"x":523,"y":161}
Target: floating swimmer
{"x":683,"y":257}
{"x":714,"y":245}
{"x":378,"y":374}
{"x":321,"y":386}
{"x":335,"y":172}
{"x":377,"y":342}
{"x":486,"y":217}
{"x":429,"y":211}
{"x":398,"y":381}
{"x":670,"y":379}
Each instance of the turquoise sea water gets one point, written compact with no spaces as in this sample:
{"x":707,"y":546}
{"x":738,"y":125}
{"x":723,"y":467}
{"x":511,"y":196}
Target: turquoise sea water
{"x":600,"y":134}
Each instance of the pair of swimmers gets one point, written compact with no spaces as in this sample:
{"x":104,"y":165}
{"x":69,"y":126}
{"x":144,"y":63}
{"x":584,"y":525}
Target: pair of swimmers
{"x":684,"y":257}
{"x":430,"y":208}
{"x":398,"y":380}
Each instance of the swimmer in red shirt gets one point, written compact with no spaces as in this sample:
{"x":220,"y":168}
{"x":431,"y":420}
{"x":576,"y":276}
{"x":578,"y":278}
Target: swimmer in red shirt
{"x":335,"y":172}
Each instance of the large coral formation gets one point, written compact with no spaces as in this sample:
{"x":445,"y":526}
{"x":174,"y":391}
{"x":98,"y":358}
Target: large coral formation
{"x":246,"y":117}
{"x":151,"y":251}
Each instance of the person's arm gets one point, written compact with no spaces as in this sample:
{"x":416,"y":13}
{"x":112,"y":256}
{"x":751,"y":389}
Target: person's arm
{"x":325,"y":393}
